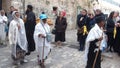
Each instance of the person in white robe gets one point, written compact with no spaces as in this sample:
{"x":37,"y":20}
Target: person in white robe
{"x":17,"y":38}
{"x":42,"y":39}
{"x":3,"y":22}
{"x":93,"y":44}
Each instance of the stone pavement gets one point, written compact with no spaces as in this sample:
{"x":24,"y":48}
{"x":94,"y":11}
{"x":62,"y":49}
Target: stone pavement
{"x":66,"y":57}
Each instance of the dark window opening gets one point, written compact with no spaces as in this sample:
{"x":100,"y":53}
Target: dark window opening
{"x":0,"y":4}
{"x":55,"y":8}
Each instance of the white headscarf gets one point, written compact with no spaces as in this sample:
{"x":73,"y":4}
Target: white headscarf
{"x":14,"y":15}
{"x":17,"y":36}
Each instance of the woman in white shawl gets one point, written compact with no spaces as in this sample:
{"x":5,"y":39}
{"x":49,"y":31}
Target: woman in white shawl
{"x":17,"y":38}
{"x":93,"y":42}
{"x":42,"y":39}
{"x":3,"y":22}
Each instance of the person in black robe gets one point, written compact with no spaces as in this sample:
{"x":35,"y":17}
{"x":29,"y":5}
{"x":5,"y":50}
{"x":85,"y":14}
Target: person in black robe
{"x":117,"y":39}
{"x":30,"y":27}
{"x":93,"y":43}
{"x":60,"y":26}
{"x":110,"y":31}
{"x":81,"y":22}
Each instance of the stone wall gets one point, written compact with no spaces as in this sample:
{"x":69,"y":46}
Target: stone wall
{"x":70,"y":6}
{"x":6,"y":4}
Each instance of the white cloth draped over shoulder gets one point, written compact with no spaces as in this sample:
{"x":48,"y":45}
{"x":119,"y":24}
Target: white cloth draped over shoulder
{"x":17,"y":36}
{"x":3,"y":22}
{"x":42,"y":28}
{"x":95,"y":33}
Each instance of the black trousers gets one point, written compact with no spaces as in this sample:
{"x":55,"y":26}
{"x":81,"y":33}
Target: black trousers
{"x":82,"y":39}
{"x":91,"y":58}
{"x":110,"y":40}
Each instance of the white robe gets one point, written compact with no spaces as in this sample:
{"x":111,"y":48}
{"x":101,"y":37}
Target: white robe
{"x":40,"y":42}
{"x":94,"y":33}
{"x":17,"y":36}
{"x":3,"y":22}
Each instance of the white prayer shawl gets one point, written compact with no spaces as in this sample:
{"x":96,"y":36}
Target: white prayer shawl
{"x":17,"y":36}
{"x":39,"y":42}
{"x":3,"y":22}
{"x":94,"y":33}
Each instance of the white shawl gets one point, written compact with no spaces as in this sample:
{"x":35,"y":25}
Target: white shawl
{"x":94,"y":33}
{"x":17,"y":36}
{"x":3,"y":19}
{"x":3,"y":23}
{"x":40,"y":30}
{"x":42,"y":42}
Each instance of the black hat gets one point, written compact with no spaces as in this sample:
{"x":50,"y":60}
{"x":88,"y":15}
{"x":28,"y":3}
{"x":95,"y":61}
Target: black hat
{"x":99,"y":19}
{"x":30,"y":7}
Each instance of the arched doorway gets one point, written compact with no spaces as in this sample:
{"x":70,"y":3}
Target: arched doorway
{"x":0,"y":4}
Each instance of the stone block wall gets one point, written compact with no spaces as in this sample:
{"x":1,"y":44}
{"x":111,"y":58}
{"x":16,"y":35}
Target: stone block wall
{"x":70,"y":6}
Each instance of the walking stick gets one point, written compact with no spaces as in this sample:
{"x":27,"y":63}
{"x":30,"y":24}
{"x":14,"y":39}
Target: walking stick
{"x":43,"y":53}
{"x":96,"y":55}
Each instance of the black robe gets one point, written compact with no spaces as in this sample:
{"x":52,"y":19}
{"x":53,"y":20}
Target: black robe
{"x":30,"y":27}
{"x":92,"y":55}
{"x":110,"y":30}
{"x":60,"y":26}
{"x":116,"y":47}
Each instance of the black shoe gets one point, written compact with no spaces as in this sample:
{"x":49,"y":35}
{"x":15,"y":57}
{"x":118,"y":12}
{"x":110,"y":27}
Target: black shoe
{"x":28,"y":53}
{"x":119,"y":54}
{"x":42,"y":65}
{"x":111,"y":50}
{"x":81,"y":49}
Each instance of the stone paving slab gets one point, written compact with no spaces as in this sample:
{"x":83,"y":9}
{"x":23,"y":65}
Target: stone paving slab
{"x":66,"y":57}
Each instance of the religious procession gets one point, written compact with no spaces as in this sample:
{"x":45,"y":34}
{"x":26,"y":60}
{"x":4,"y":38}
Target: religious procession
{"x":96,"y":34}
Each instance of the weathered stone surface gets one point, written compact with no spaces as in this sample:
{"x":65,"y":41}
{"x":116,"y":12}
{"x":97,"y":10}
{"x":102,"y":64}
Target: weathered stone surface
{"x":70,"y":6}
{"x":66,"y":57}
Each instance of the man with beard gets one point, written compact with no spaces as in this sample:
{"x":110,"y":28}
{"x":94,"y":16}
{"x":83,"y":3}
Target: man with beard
{"x":29,"y":27}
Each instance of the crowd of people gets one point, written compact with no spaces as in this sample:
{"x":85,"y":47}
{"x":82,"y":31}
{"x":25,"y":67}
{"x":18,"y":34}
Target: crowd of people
{"x":96,"y":33}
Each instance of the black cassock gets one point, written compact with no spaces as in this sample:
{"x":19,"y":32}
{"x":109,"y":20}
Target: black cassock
{"x":92,"y":55}
{"x":117,"y":41}
{"x":30,"y":27}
